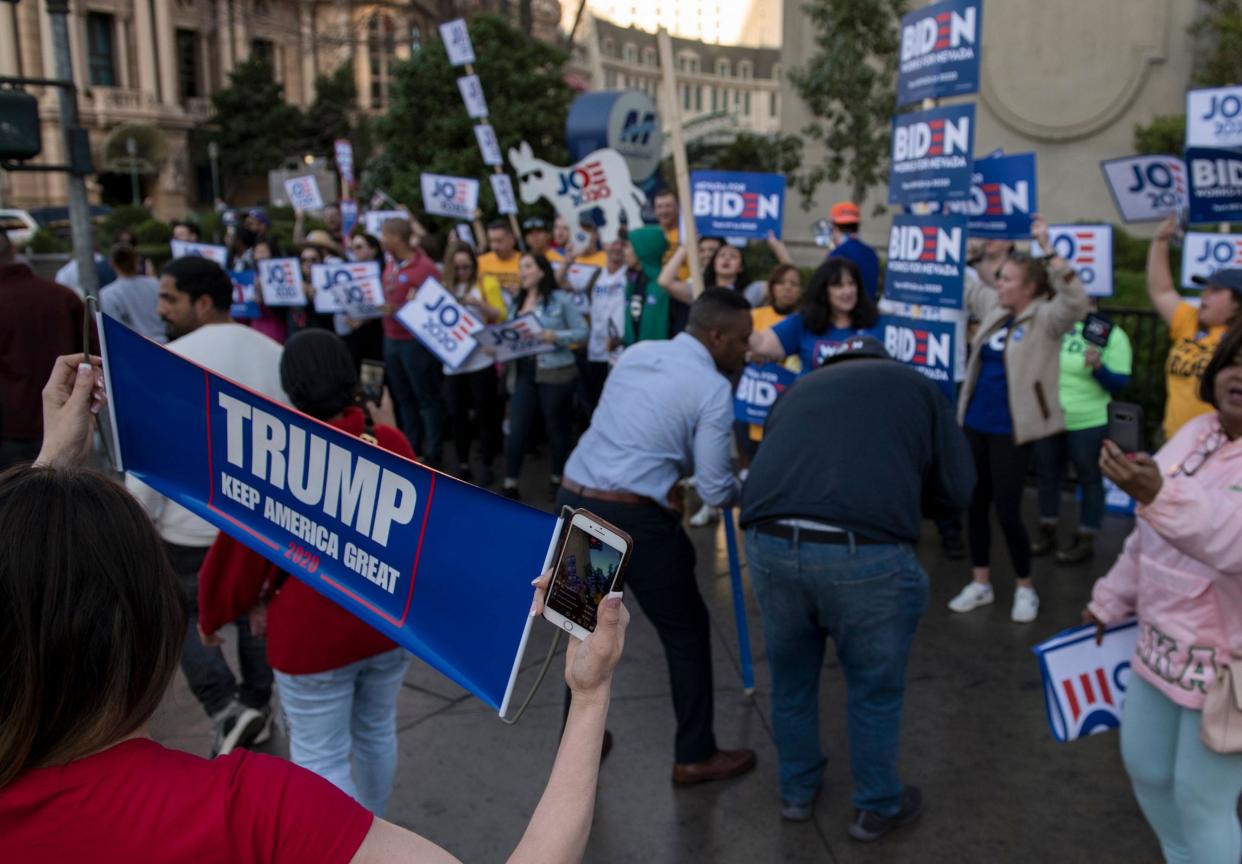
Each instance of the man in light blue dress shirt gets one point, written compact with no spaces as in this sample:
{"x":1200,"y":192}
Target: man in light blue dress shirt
{"x":667,"y":413}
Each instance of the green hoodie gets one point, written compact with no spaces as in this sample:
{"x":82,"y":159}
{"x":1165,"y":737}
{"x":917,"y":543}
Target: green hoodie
{"x":649,"y":246}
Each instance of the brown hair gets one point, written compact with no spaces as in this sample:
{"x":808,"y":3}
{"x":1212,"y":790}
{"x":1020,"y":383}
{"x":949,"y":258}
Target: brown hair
{"x":778,"y":273}
{"x":1230,"y":345}
{"x":1034,"y":270}
{"x":91,"y":617}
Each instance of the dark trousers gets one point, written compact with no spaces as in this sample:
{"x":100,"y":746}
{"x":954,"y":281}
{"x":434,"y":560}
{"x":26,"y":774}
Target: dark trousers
{"x":1000,"y":469}
{"x":597,"y":374}
{"x":660,"y":577}
{"x":366,"y":342}
{"x":211,"y":680}
{"x":415,"y":376}
{"x":555,"y":401}
{"x":1081,"y":447}
{"x":477,"y":392}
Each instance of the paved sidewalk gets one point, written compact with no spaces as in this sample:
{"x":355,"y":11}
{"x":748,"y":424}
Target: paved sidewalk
{"x":996,"y":785}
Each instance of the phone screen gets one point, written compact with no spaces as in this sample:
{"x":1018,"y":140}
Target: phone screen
{"x":371,"y":380}
{"x":584,"y":575}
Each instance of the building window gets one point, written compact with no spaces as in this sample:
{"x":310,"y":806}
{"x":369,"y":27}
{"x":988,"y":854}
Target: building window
{"x":382,"y":51}
{"x":187,"y":64}
{"x":685,"y":96}
{"x":649,"y":57}
{"x":746,"y":103}
{"x":100,"y":30}
{"x":689,"y":64}
{"x":722,"y":68}
{"x":744,"y":69}
{"x":610,"y":47}
{"x":776,"y":71}
{"x":630,"y":53}
{"x":263,"y":49}
{"x":772,"y":109}
{"x":715,"y":100}
{"x":698,"y":98}
{"x":416,"y":39}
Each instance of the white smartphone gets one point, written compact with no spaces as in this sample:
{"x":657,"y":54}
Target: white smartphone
{"x":592,"y":557}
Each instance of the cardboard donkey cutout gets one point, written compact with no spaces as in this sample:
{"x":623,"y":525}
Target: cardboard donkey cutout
{"x":600,"y":180}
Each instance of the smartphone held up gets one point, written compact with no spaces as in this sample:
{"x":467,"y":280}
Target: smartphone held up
{"x":589,"y":565}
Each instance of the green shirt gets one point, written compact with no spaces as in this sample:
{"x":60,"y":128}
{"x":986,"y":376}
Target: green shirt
{"x":1083,"y":398}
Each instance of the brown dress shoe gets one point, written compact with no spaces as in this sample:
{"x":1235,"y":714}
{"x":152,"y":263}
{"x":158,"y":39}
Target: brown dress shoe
{"x":722,"y":765}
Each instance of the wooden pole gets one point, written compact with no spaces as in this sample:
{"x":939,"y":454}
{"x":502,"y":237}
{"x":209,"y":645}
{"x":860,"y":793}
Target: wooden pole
{"x":672,"y":114}
{"x":498,"y":169}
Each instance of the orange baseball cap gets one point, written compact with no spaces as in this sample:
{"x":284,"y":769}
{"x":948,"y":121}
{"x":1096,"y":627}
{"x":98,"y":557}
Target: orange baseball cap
{"x":845,"y":213}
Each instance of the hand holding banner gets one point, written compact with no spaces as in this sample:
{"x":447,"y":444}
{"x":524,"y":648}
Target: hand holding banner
{"x":281,"y":280}
{"x":303,"y":193}
{"x":510,"y":340}
{"x":456,"y":39}
{"x":184,"y":248}
{"x":457,"y":197}
{"x":1089,"y":250}
{"x":737,"y":203}
{"x":441,"y":323}
{"x":1084,"y":683}
{"x":472,"y":94}
{"x":1146,"y":188}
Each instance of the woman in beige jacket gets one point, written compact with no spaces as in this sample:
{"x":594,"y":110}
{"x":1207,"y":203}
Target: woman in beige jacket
{"x":1009,"y":400}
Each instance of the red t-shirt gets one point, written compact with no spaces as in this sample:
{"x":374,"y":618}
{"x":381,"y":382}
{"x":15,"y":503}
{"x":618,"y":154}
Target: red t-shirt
{"x":306,"y":632}
{"x":400,"y":278}
{"x":139,"y":801}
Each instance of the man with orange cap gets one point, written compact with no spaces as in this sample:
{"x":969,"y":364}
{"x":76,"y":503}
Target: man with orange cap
{"x":845,"y":217}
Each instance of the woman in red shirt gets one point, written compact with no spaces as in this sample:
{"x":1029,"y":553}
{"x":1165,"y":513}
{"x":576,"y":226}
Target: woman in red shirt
{"x":91,"y":626}
{"x":338,"y":678}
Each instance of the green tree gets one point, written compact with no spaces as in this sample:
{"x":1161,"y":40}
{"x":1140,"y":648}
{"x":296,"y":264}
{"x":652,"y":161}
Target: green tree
{"x":774,"y":154}
{"x":334,"y":114}
{"x":252,"y":121}
{"x":426,"y":127}
{"x":848,"y":85}
{"x":1164,"y":134}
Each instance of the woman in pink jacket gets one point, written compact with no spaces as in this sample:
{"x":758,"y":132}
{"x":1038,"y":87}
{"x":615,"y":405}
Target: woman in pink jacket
{"x":1181,"y":573}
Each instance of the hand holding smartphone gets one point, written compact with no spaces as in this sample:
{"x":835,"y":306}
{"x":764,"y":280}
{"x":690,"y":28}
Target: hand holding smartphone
{"x":371,"y":381}
{"x":589,"y":565}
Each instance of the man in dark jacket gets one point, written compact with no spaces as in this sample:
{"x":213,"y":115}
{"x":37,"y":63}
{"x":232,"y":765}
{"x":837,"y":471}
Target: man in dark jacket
{"x":852,"y":457}
{"x":41,"y":321}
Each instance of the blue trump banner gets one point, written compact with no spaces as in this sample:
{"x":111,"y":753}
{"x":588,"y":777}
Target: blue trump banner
{"x":393,"y":542}
{"x":940,"y":51}
{"x":758,"y":389}
{"x":931,"y":155}
{"x":1002,"y":198}
{"x":926,"y":260}
{"x":737,"y":204}
{"x":1215,"y":184}
{"x":1084,"y":683}
{"x":925,"y":345}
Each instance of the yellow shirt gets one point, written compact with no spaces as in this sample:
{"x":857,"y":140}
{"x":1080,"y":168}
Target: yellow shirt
{"x":673,"y":236}
{"x":504,"y":271}
{"x":1188,"y":357}
{"x":765,"y":318}
{"x":595,"y":259}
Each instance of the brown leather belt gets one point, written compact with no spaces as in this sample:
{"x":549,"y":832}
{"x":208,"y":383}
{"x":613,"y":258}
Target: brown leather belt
{"x":605,"y":494}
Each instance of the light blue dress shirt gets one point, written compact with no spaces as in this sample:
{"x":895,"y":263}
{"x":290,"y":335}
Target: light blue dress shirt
{"x":665,"y":413}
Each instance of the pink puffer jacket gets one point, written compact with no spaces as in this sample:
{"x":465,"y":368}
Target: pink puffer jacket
{"x":1181,"y":569}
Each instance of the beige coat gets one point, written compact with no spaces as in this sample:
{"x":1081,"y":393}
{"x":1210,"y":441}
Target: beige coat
{"x":1032,"y":352}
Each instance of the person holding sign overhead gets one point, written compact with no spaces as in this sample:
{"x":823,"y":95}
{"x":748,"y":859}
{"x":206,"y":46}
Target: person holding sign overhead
{"x":546,"y":382}
{"x":1181,"y":574}
{"x":414,"y":373}
{"x":1194,"y":332}
{"x":1010,"y":400}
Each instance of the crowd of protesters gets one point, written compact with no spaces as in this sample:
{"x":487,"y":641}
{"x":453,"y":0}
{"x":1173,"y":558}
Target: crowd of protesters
{"x":633,"y":397}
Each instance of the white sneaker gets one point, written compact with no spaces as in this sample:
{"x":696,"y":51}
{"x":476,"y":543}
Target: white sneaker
{"x":1025,"y":605}
{"x":974,"y":595}
{"x":705,"y":516}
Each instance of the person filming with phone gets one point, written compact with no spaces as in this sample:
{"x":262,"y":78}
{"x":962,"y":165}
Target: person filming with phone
{"x":80,"y":776}
{"x":667,"y":412}
{"x":1181,"y":574}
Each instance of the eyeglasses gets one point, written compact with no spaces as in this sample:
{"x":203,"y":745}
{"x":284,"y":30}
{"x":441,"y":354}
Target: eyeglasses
{"x":310,"y":259}
{"x":1196,"y":459}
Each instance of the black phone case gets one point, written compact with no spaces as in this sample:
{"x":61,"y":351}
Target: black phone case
{"x":1125,"y":426}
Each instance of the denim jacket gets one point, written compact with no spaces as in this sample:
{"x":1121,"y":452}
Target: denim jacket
{"x":562,"y":317}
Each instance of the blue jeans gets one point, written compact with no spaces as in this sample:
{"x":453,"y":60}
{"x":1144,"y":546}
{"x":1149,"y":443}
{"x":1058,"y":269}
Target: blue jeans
{"x":1188,"y":793}
{"x":348,"y":715}
{"x":415,"y":376}
{"x":869,"y":600}
{"x":1081,"y":447}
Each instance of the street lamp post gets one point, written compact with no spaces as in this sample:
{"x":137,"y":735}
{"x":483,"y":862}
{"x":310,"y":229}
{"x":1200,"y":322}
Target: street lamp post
{"x":131,"y":147}
{"x":213,"y":153}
